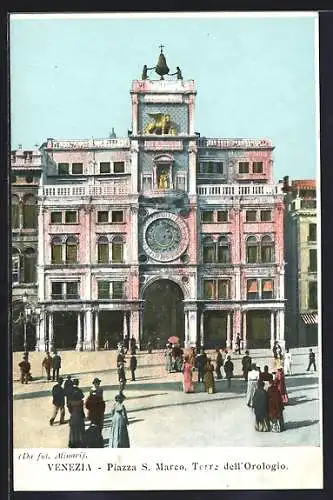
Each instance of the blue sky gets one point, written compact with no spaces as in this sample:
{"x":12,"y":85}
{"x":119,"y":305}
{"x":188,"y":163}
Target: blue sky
{"x":255,"y":77}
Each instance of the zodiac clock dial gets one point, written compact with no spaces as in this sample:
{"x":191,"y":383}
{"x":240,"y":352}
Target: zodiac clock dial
{"x":165,"y":237}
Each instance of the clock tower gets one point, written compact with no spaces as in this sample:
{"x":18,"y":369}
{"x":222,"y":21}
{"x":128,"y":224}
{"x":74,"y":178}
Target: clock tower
{"x":164,"y":177}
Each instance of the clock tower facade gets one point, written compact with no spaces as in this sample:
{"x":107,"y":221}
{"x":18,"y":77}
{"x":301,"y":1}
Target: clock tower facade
{"x":164,"y":175}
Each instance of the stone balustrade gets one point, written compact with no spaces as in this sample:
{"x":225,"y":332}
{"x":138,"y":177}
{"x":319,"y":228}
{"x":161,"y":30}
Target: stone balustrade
{"x":239,"y":190}
{"x":79,"y":191}
{"x":122,"y":142}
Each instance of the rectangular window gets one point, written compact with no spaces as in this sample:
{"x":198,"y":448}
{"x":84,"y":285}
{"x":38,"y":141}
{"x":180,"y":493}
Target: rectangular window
{"x":77,"y":168}
{"x":267,"y":289}
{"x":265,"y":215}
{"x":103,"y":289}
{"x":243,"y":167}
{"x":223,"y":289}
{"x":63,"y":168}
{"x":56,"y":292}
{"x":257,"y":167}
{"x":104,"y":167}
{"x":30,"y":216}
{"x":119,"y":167}
{"x":103,"y":253}
{"x":102,"y":217}
{"x":207,"y":216}
{"x":72,"y":290}
{"x":311,"y":204}
{"x":147,"y":183}
{"x":251,"y":215}
{"x":312,"y":232}
{"x":117,"y":289}
{"x":15,"y":216}
{"x":71,"y":253}
{"x":313,"y":302}
{"x":29,"y":269}
{"x":117,"y":252}
{"x":218,"y":167}
{"x":56,"y":252}
{"x":56,"y":217}
{"x":223,"y":254}
{"x":15,"y":270}
{"x":209,"y":253}
{"x":207,"y":167}
{"x":252,"y":254}
{"x":180,"y":182}
{"x":313,"y":260}
{"x":209,"y":289}
{"x":70,"y":216}
{"x":222,"y":216}
{"x":252,"y":289}
{"x":117,"y":216}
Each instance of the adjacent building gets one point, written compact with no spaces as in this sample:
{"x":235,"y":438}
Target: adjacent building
{"x":301,"y":262}
{"x":164,"y":232}
{"x":26,"y":168}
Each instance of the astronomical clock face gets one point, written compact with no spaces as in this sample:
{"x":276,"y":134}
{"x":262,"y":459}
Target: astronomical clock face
{"x":165,"y":237}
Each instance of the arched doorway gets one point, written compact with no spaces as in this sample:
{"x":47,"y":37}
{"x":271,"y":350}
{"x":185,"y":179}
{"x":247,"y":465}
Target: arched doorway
{"x":163,"y":313}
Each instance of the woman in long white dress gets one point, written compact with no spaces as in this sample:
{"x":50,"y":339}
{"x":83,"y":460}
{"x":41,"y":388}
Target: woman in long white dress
{"x":287,"y":363}
{"x":252,"y":382}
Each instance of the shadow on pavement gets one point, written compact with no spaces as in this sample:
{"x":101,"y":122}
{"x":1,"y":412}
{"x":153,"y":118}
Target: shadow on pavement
{"x":238,"y":386}
{"x":298,"y":381}
{"x":300,"y":400}
{"x":186,"y":403}
{"x":298,"y":424}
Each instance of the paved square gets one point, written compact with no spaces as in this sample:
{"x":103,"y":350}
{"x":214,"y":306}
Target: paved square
{"x":160,"y":414}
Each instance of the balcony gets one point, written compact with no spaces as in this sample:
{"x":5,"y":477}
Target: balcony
{"x":220,"y":143}
{"x":239,"y":190}
{"x":113,"y":188}
{"x":120,"y":143}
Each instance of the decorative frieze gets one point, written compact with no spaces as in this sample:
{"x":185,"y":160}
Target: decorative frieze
{"x":163,"y":145}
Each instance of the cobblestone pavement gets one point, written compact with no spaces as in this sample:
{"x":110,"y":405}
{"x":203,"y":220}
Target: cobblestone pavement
{"x":160,"y":414}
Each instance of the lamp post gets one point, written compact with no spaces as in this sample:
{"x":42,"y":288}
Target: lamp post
{"x":30,"y":314}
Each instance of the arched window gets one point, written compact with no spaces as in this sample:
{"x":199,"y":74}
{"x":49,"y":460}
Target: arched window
{"x":71,"y":250}
{"x":117,"y":249}
{"x":15,"y":212}
{"x":208,"y":250}
{"x":223,"y":250}
{"x":56,"y":251}
{"x":103,"y":250}
{"x":29,"y":212}
{"x":252,"y":250}
{"x":267,"y":249}
{"x":29,"y":265}
{"x":15,"y":265}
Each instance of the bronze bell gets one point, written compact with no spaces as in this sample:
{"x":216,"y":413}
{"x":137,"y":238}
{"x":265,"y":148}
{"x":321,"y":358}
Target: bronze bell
{"x":161,"y":67}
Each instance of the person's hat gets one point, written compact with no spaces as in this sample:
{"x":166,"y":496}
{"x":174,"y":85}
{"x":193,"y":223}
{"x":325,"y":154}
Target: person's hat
{"x":96,"y":381}
{"x":247,"y":352}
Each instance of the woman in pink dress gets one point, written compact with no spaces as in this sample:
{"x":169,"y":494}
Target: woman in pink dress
{"x":281,"y":385}
{"x":187,"y":370}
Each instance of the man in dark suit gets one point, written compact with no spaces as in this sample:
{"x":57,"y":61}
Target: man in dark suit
{"x":56,"y":365}
{"x":58,"y":401}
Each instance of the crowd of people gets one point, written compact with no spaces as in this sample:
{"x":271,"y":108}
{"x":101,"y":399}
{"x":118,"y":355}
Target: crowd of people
{"x":70,"y":396}
{"x":266,"y":391}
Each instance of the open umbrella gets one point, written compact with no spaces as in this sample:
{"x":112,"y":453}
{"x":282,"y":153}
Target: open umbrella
{"x":173,"y":340}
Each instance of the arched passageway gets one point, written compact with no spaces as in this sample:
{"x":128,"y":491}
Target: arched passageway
{"x":163,"y":313}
